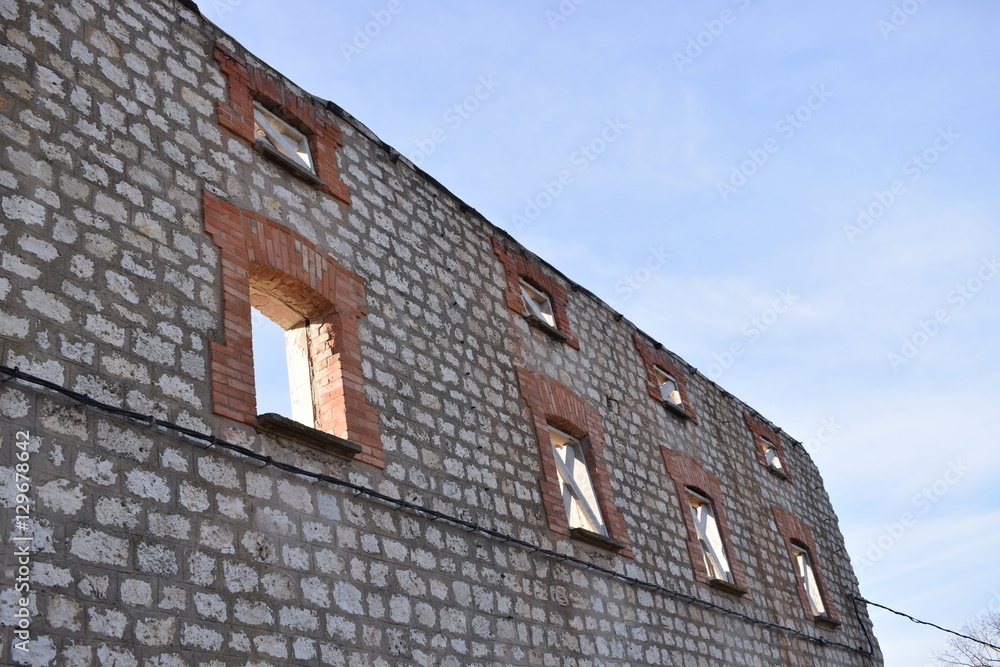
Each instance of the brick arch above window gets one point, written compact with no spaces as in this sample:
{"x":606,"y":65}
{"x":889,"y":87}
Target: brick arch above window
{"x":687,"y":473}
{"x":284,"y":298}
{"x":518,"y":267}
{"x":246,"y":84}
{"x":553,"y":404}
{"x":794,"y":532}
{"x":291,"y":278}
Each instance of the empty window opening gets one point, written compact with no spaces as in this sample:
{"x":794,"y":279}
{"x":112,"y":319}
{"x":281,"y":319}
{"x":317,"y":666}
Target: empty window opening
{"x":538,"y":303}
{"x":282,"y":373}
{"x":282,"y":137}
{"x":270,"y":370}
{"x":807,"y":577}
{"x":669,"y":389}
{"x":577,"y":489}
{"x":709,"y":536}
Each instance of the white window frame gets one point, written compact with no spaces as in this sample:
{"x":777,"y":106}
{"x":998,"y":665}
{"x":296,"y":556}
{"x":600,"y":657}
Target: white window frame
{"x":771,"y":455}
{"x":806,"y":573}
{"x":670,"y":389}
{"x":709,"y":536}
{"x":538,"y":303}
{"x":579,"y":495}
{"x":282,"y":137}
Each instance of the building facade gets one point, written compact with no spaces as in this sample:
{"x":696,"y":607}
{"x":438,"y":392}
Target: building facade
{"x":484,"y":463}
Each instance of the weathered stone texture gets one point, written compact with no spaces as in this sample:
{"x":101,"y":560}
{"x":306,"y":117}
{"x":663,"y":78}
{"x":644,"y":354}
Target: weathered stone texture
{"x":150,"y":549}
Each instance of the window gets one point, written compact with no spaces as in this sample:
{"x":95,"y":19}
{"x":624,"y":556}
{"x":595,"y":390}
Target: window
{"x":666,"y":381}
{"x":535,"y":294}
{"x":805,"y":566}
{"x":807,"y":579}
{"x":582,"y":509}
{"x":669,"y":389}
{"x":771,"y":457}
{"x":703,"y":511}
{"x":284,"y":381}
{"x":307,"y":143}
{"x":537,"y":304}
{"x":318,"y":304}
{"x":270,"y":370}
{"x":709,"y":537}
{"x":574,"y":477}
{"x":768,"y":448}
{"x":276,"y":135}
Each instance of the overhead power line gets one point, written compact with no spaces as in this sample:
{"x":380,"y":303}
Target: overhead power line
{"x":933,"y":625}
{"x":399,"y":503}
{"x":470,"y":526}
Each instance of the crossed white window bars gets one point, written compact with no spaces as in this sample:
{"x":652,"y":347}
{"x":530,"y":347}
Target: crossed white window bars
{"x":669,"y":390}
{"x":538,"y":304}
{"x":771,"y":455}
{"x":804,"y":567}
{"x":709,"y":537}
{"x":577,"y":489}
{"x":282,"y":137}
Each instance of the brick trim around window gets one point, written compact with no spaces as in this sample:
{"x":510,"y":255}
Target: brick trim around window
{"x":516,"y":267}
{"x":246,"y":84}
{"x":792,"y":529}
{"x":551,"y":403}
{"x":686,"y":472}
{"x":284,"y":264}
{"x":762,"y":433}
{"x":651,"y":358}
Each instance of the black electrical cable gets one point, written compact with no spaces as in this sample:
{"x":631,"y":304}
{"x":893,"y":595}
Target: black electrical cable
{"x":84,"y":399}
{"x":857,"y":614}
{"x":918,"y":621}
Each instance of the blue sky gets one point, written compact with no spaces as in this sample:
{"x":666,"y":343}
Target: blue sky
{"x":800,"y":200}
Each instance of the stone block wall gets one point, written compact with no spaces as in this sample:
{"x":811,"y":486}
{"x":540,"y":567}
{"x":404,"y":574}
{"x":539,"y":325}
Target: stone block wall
{"x":122,"y":127}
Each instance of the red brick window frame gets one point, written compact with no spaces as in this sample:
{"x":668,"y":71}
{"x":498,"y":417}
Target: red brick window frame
{"x":518,"y":267}
{"x":653,"y":358}
{"x":247,"y":85}
{"x":279,"y":269}
{"x":687,"y":473}
{"x":795,"y":533}
{"x":553,"y":404}
{"x":765,"y":437}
